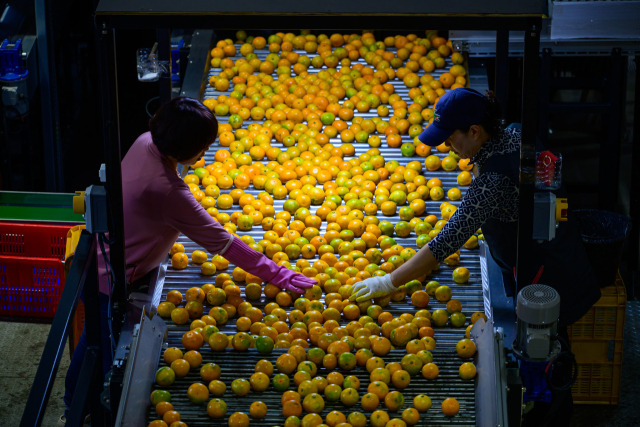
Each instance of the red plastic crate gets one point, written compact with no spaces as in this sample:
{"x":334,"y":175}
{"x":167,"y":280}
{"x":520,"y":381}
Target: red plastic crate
{"x":33,"y":240}
{"x":30,"y":286}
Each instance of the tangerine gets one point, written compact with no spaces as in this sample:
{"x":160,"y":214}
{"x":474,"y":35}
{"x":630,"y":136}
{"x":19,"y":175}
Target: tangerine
{"x":179,"y":261}
{"x":422,"y":402}
{"x":430,"y":371}
{"x":165,"y":376}
{"x":466,"y":348}
{"x":181,"y":367}
{"x":240,"y":386}
{"x":291,"y":408}
{"x":198,"y":393}
{"x":467,"y":371}
{"x":258,"y":410}
{"x":379,"y":418}
{"x":238,"y":419}
{"x":216,"y":408}
{"x":450,"y":406}
{"x":411,"y":416}
{"x":217,"y":388}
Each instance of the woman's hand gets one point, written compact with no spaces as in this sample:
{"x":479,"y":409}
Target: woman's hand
{"x":290,"y":280}
{"x":373,"y":287}
{"x":258,"y":264}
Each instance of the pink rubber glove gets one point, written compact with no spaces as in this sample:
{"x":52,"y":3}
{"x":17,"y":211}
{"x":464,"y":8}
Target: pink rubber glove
{"x":259,"y":265}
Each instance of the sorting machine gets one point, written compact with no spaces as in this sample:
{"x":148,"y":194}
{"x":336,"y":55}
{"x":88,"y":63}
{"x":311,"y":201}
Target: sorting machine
{"x":495,"y":398}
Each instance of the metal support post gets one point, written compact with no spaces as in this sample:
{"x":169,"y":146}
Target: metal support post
{"x":515,"y":393}
{"x":86,"y":391}
{"x":195,"y":69}
{"x":57,"y":339}
{"x":111,"y":137}
{"x":634,"y":196}
{"x":49,"y":97}
{"x":90,"y":379}
{"x":501,"y":83}
{"x":608,"y":177}
{"x":164,"y":57}
{"x":544,"y":99}
{"x":530,"y":73}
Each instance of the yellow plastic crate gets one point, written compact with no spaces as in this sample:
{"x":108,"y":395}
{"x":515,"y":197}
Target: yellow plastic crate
{"x":597,"y":342}
{"x":597,"y":383}
{"x":73,"y":236}
{"x":605,"y":320}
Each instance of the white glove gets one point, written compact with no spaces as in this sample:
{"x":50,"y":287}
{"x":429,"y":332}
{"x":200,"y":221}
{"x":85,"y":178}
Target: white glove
{"x":373,"y":287}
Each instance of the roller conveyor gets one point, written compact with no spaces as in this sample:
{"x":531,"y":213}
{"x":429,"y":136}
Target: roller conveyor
{"x":237,"y":364}
{"x":241,"y":365}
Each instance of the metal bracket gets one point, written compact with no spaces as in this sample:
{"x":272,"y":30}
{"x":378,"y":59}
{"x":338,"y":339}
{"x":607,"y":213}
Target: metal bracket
{"x":142,"y":361}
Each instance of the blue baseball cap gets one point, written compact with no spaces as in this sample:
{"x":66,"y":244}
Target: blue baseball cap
{"x":456,"y":109}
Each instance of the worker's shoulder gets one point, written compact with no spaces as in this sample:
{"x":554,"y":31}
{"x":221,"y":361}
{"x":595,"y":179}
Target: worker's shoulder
{"x":505,"y":156}
{"x":152,"y":181}
{"x":509,"y":141}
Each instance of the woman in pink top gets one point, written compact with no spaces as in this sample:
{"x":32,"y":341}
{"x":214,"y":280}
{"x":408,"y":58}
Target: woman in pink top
{"x":158,"y":206}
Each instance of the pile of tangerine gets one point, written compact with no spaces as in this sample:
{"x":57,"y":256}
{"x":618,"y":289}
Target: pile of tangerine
{"x":302,"y":111}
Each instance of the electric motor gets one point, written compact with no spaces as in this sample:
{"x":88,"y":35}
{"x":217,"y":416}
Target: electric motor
{"x":537,"y":313}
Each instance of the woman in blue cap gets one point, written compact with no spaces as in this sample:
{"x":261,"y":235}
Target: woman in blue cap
{"x":469,"y":123}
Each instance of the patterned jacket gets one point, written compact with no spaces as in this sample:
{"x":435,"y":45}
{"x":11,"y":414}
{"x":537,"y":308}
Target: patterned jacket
{"x":490,"y":195}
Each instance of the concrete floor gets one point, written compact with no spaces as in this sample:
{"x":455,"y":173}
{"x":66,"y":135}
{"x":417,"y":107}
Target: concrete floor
{"x":21,"y":346}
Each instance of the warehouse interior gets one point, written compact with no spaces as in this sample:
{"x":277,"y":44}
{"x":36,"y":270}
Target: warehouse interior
{"x":78,"y":103}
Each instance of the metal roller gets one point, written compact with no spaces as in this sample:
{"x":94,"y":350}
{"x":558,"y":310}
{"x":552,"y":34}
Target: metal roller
{"x":236,"y":364}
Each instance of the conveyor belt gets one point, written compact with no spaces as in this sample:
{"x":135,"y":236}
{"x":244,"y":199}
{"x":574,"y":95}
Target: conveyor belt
{"x":236,"y":364}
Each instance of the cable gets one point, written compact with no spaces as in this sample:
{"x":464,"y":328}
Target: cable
{"x":146,"y":106}
{"x":110,"y":279}
{"x":560,"y":394}
{"x":564,"y":357}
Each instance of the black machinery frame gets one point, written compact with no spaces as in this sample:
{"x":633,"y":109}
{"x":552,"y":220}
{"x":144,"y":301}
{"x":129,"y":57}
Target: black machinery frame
{"x":163,"y":15}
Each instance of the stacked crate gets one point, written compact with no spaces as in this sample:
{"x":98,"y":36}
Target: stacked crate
{"x":596,"y":340}
{"x":31,"y":268}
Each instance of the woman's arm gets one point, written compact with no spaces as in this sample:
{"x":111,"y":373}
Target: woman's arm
{"x":183,"y":212}
{"x":485,"y":195}
{"x":476,"y":207}
{"x":259,"y":265}
{"x":421,"y":264}
{"x":190,"y":218}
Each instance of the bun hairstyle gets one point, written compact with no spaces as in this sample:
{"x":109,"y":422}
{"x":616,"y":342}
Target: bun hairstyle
{"x":492,"y":121}
{"x":182,"y":128}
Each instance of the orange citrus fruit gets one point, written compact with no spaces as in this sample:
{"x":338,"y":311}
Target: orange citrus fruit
{"x":422,"y":402}
{"x":450,"y":406}
{"x":466,"y":348}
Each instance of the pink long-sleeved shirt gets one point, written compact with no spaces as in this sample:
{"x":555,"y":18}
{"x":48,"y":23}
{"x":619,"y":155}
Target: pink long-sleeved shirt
{"x":158,"y":206}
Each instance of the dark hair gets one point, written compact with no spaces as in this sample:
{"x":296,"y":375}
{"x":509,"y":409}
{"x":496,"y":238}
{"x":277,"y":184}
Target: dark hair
{"x":182,"y":128}
{"x":492,"y":120}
